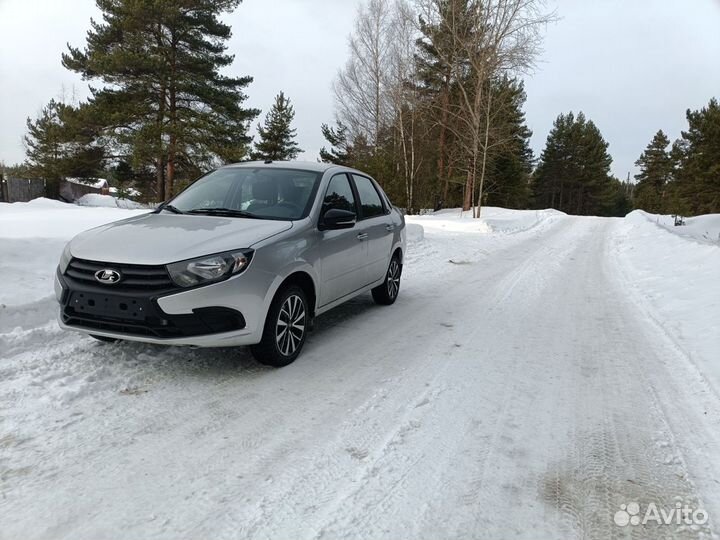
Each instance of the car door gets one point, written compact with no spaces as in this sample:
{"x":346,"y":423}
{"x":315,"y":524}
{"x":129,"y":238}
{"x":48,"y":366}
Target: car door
{"x":375,"y":223}
{"x":342,"y":253}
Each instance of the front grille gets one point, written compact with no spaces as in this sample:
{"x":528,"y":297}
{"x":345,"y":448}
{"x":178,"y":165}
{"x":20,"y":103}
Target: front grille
{"x":133,"y":277}
{"x":91,"y":305}
{"x":141,"y":316}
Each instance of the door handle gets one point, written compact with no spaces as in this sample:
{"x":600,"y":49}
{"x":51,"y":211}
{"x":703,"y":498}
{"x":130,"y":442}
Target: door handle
{"x":362,"y":236}
{"x":389,"y":227}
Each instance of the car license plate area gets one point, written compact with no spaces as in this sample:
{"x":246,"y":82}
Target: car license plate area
{"x":109,"y":306}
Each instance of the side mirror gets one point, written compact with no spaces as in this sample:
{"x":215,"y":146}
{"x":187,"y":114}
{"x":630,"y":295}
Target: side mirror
{"x":335,"y":218}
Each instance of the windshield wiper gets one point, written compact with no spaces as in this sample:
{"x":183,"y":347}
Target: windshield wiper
{"x":230,"y":212}
{"x":169,"y":208}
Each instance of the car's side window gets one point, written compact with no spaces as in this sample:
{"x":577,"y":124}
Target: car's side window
{"x":339,"y":194}
{"x":370,"y":201}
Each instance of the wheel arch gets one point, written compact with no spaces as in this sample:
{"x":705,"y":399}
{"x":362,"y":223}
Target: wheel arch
{"x":305,"y":281}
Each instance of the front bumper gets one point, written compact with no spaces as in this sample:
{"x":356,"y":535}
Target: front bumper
{"x":227,"y":339}
{"x":217,"y":315}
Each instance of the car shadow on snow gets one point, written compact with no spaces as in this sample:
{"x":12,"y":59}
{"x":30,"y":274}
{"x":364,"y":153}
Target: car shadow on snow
{"x":342,"y":314}
{"x":213,"y":362}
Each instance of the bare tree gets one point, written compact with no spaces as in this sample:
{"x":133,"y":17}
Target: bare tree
{"x":404,"y":92}
{"x":495,"y":37}
{"x":362,"y":86}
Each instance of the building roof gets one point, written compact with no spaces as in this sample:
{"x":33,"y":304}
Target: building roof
{"x":97,"y":183}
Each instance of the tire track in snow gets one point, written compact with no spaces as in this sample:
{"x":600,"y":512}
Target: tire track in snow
{"x":614,"y":458}
{"x":388,"y":451}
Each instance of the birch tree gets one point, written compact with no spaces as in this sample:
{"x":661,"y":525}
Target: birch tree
{"x":361,"y":88}
{"x":404,"y":92}
{"x":495,"y":37}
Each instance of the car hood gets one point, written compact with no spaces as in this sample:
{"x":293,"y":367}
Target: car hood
{"x":165,"y":238}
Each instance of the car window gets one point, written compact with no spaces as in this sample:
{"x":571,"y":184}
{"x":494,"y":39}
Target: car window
{"x":269,"y":193}
{"x":211,"y":190}
{"x":339,"y":194}
{"x":370,"y":202}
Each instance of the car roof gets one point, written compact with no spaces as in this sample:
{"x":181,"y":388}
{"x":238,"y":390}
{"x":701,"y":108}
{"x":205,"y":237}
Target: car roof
{"x":301,"y":165}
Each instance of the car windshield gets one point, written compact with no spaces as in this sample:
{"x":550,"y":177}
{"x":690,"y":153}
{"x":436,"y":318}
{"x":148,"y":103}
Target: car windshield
{"x":265,"y":193}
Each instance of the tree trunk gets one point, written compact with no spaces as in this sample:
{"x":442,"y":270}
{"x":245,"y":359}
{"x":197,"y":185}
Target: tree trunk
{"x":172,"y":147}
{"x":406,"y":166}
{"x":467,"y":201}
{"x":159,"y":179}
{"x":160,"y":159}
{"x":445,"y":180}
{"x":442,"y":177}
{"x":485,"y":152}
{"x":170,"y":167}
{"x":472,"y":173}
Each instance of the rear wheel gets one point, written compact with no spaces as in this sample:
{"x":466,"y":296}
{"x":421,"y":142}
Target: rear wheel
{"x":387,"y":293}
{"x":285,"y":328}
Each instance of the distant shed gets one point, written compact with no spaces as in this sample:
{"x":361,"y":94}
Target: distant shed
{"x":74,"y":188}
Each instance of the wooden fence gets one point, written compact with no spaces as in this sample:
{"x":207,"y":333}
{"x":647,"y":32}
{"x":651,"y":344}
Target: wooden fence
{"x":20,"y":189}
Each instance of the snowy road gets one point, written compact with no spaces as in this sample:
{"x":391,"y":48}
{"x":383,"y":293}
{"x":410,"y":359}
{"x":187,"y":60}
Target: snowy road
{"x":521,"y":390}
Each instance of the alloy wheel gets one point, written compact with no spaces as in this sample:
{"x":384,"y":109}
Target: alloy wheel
{"x":290,"y":327}
{"x":393,"y":278}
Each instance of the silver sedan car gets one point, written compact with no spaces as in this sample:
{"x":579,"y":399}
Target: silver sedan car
{"x":248,"y":254}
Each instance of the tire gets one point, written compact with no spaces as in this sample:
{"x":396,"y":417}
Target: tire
{"x":286,"y":327}
{"x":104,"y":339}
{"x":387,"y":293}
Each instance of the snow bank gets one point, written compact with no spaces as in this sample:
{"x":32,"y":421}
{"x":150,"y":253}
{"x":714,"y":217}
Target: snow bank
{"x":130,"y":191}
{"x":32,"y":237}
{"x":704,"y":229}
{"x":44,"y":218}
{"x":446,"y":240}
{"x":676,"y":276}
{"x":492,"y":219}
{"x":415,"y":232}
{"x":108,"y":201}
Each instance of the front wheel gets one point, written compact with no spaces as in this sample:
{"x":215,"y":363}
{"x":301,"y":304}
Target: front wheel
{"x":387,"y":293}
{"x":285,"y":329}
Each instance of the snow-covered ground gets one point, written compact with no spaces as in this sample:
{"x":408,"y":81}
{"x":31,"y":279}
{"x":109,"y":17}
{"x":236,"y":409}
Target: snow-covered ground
{"x":32,"y":237}
{"x":537,"y":372}
{"x":95,"y":199}
{"x":704,"y":229}
{"x":674,"y":276}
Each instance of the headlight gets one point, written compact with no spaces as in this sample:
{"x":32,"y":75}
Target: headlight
{"x":210,"y":268}
{"x":65,"y":259}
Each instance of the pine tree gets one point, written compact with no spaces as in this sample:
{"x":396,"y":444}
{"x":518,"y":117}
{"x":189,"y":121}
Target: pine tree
{"x":277,"y":137}
{"x":511,"y":158}
{"x":340,"y":152}
{"x":60,"y":143}
{"x":697,"y":189}
{"x":165,"y":102}
{"x":656,"y":170}
{"x":44,"y":147}
{"x":620,"y":199}
{"x":574,"y":170}
{"x":437,"y":57}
